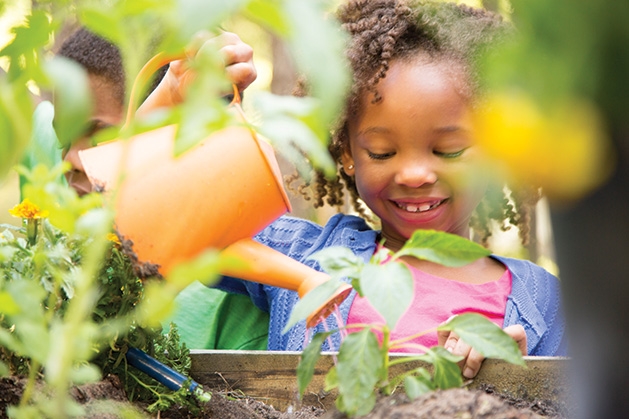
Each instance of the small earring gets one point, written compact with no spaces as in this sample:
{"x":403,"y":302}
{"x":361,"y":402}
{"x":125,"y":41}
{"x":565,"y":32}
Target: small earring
{"x":350,"y":167}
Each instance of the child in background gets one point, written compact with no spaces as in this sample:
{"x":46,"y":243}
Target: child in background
{"x":206,"y":318}
{"x":406,"y":149}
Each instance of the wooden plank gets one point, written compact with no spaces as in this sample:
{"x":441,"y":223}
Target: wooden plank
{"x":270,"y":376}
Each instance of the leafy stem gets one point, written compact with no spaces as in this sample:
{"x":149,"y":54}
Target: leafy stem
{"x":398,"y":342}
{"x":364,"y":365}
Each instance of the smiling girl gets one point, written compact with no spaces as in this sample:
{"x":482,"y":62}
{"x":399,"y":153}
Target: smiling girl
{"x":407,"y":150}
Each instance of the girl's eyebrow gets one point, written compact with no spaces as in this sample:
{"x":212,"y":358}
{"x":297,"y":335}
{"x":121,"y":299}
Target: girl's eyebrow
{"x":452,"y":128}
{"x":374,"y":130}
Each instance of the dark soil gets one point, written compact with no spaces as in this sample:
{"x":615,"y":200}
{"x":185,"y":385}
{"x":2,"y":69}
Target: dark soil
{"x":102,"y":398}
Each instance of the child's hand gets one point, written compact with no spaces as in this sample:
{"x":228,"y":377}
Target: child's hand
{"x":238,"y":59}
{"x":472,"y":360}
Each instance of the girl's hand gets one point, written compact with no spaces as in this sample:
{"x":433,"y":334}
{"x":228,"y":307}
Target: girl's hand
{"x":238,"y":59}
{"x":472,"y":360}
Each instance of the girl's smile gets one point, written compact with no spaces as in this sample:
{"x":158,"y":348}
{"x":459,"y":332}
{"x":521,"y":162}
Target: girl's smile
{"x":412,"y":154}
{"x":420,"y":211}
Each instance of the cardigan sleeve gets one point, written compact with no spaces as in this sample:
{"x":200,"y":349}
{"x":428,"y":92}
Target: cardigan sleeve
{"x":535,"y":303}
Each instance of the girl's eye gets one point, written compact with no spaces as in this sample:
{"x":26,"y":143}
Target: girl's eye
{"x":452,"y":155}
{"x":379,"y":156}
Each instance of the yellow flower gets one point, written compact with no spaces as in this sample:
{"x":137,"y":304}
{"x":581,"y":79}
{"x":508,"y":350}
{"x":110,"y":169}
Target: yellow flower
{"x":113,"y":238}
{"x":564,"y":149}
{"x":26,"y":209}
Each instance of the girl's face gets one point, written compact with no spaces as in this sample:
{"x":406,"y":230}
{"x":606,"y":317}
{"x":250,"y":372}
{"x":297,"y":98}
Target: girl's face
{"x":107,"y":111}
{"x":413,"y":155}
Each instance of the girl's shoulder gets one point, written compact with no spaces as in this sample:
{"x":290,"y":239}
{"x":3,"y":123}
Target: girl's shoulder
{"x":300,"y":235}
{"x":524,"y":268}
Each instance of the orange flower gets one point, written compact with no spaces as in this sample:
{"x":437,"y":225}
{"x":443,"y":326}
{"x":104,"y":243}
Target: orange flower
{"x":26,"y":209}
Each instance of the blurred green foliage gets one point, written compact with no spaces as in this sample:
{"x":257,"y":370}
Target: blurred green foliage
{"x":69,"y":301}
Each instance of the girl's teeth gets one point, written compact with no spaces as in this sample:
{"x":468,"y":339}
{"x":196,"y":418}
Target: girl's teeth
{"x":417,"y":208}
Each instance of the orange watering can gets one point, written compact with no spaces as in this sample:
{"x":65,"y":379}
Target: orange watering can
{"x":218,"y":194}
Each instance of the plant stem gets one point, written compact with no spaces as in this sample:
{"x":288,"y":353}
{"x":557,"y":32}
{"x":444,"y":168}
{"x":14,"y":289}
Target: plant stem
{"x":398,"y":342}
{"x":32,"y":225}
{"x":404,"y":360}
{"x":30,"y":383}
{"x":386,"y":346}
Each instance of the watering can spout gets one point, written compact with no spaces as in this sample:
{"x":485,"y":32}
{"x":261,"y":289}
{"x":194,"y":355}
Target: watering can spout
{"x":267,"y":266}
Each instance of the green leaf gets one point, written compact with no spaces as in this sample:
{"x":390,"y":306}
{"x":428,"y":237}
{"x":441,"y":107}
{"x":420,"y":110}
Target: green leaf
{"x":415,"y":386}
{"x":24,"y":50}
{"x":309,"y":357}
{"x":199,"y":123}
{"x":381,"y":255}
{"x":44,"y":147}
{"x":389,"y":288}
{"x":11,"y":342}
{"x":311,"y":302}
{"x":269,"y":15}
{"x":294,"y":127}
{"x":486,"y":337}
{"x":339,"y":262}
{"x":35,"y":337}
{"x":359,"y":368}
{"x":204,"y":15}
{"x":103,"y":22}
{"x":73,"y":99}
{"x":203,"y":268}
{"x":331,"y":379}
{"x":15,"y":123}
{"x":443,"y":248}
{"x":86,"y":373}
{"x":7,"y":305}
{"x":158,"y":304}
{"x":316,"y":38}
{"x":4,"y":370}
{"x":447,"y":373}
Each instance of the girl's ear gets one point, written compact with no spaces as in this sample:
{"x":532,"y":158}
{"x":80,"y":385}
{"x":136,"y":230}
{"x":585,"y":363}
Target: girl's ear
{"x":348,"y":162}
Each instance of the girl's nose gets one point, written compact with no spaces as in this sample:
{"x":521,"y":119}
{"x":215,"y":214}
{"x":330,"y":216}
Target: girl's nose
{"x":415,"y":173}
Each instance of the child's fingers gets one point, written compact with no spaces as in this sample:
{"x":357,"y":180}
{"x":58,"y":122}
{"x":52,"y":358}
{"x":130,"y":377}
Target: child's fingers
{"x":237,"y":57}
{"x":228,"y":44}
{"x":241,"y":74}
{"x":472,"y":360}
{"x":444,"y":335}
{"x":199,"y":40}
{"x":473,"y":363}
{"x":475,"y":359}
{"x":238,"y":53}
{"x":518,"y":334}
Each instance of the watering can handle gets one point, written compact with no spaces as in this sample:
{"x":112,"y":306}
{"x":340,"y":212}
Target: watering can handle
{"x":143,"y":77}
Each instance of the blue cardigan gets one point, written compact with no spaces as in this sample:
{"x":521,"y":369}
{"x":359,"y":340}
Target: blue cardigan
{"x":534,"y":302}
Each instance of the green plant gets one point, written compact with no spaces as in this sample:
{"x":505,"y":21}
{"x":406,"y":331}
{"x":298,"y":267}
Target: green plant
{"x":56,"y":323}
{"x":52,"y":315}
{"x":364,"y":364}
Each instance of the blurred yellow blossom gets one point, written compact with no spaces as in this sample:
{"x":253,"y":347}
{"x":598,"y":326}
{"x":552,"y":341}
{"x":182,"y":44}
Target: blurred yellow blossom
{"x":565,"y":149}
{"x":112,"y":237}
{"x":26,"y":209}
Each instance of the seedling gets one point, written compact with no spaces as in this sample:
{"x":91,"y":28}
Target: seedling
{"x":363,"y":364}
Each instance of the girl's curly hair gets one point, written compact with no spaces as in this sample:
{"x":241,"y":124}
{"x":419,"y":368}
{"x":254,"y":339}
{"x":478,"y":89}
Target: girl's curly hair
{"x":382,"y":31}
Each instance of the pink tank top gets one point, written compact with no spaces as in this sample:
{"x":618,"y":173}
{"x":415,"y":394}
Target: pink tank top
{"x":435,"y":301}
